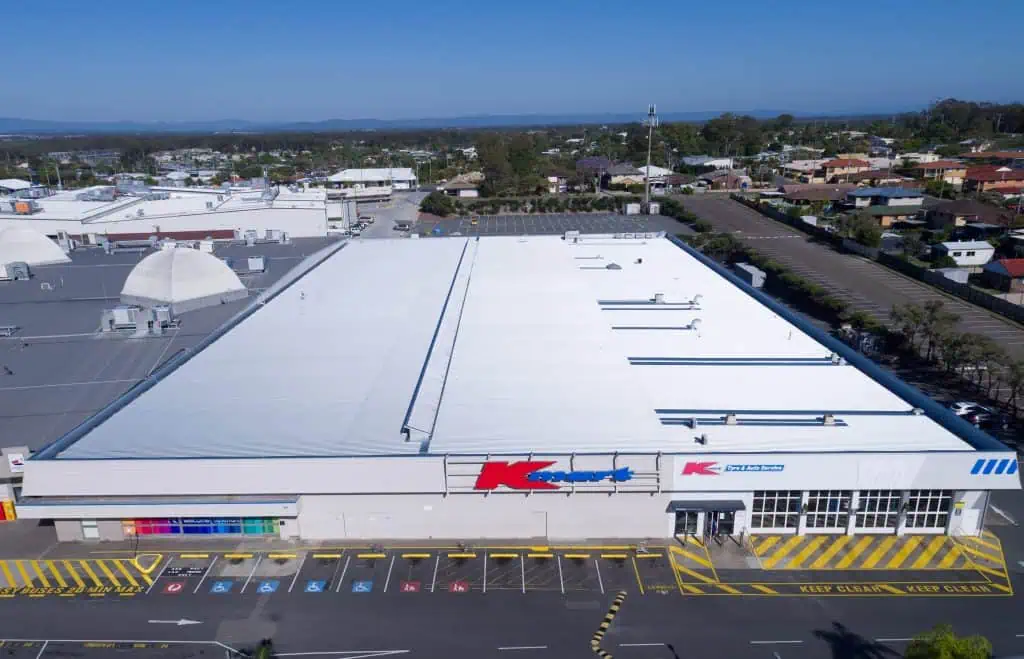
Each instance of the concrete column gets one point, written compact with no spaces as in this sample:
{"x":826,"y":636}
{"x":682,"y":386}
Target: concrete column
{"x":851,"y":523}
{"x":901,"y":523}
{"x":802,"y":520}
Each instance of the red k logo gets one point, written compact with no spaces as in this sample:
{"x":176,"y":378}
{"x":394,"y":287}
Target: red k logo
{"x":700,"y":469}
{"x":514,"y":475}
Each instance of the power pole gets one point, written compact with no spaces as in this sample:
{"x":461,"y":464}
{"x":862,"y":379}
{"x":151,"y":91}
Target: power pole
{"x":652,"y":121}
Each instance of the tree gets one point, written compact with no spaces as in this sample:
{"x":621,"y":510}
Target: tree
{"x":937,"y":323}
{"x":909,"y":318}
{"x":942,"y":643}
{"x":944,"y":261}
{"x":437,"y":203}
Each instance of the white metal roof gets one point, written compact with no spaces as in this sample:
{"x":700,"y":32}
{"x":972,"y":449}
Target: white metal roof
{"x":373,"y":174}
{"x":968,"y":244}
{"x":178,"y":275}
{"x":534,"y":345}
{"x":29,"y":246}
{"x":14,"y":184}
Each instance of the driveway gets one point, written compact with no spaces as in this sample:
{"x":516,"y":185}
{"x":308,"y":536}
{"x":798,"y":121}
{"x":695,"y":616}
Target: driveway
{"x":403,"y":207}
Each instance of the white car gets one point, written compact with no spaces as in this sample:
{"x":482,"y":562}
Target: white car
{"x":965,"y":407}
{"x":366,"y":218}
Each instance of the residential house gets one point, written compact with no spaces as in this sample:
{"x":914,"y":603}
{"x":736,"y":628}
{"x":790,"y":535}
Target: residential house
{"x":593,"y":166}
{"x":993,"y":177}
{"x":966,"y":253}
{"x":708,"y":161}
{"x":865,"y":197}
{"x":889,"y":216}
{"x":625,"y":174}
{"x":947,"y":171}
{"x":679,"y":181}
{"x":726,"y":179}
{"x":557,"y":185}
{"x":1005,"y":275}
{"x":960,"y":212}
{"x":464,"y":185}
{"x":839,"y":168}
{"x":804,"y":170}
{"x":1000,"y":157}
{"x":803,"y":194}
{"x":882,"y":178}
{"x":919,"y":158}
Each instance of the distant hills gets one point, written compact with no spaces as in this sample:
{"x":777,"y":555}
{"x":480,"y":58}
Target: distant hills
{"x":39,"y":126}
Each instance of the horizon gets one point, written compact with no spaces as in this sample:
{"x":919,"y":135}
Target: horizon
{"x":113,"y":63}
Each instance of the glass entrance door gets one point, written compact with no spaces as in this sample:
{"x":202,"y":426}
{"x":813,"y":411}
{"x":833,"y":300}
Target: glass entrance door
{"x":686,"y":522}
{"x":719,"y":522}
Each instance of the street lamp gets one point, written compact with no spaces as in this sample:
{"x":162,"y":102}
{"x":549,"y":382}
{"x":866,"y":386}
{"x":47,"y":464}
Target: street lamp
{"x":651,"y":122}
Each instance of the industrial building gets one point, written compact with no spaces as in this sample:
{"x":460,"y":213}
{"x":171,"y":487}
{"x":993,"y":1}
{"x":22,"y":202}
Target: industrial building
{"x":559,"y":387}
{"x":397,"y":178}
{"x":133,"y":211}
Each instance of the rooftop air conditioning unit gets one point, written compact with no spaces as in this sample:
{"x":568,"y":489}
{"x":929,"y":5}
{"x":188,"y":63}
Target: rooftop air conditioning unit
{"x":209,"y":205}
{"x":14,"y":271}
{"x":257,"y":264}
{"x":164,"y":315}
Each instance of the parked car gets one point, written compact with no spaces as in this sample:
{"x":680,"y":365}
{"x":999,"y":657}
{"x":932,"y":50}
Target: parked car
{"x":366,"y":219}
{"x":988,"y":419}
{"x":965,"y":407}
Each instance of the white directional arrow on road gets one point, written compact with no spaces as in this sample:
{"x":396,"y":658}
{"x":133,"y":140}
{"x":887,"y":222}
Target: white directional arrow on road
{"x":179,"y":623}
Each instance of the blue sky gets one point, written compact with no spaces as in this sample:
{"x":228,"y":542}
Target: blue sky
{"x":197,"y":60}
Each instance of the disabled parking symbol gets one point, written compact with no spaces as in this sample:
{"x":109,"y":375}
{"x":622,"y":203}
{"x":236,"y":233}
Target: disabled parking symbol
{"x":316,"y":586}
{"x":362,"y":586}
{"x":267,"y":586}
{"x":221,"y":587}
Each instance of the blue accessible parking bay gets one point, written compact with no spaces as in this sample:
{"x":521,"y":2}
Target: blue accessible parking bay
{"x":362,"y":586}
{"x":221,"y":587}
{"x":267,"y":586}
{"x":316,"y":586}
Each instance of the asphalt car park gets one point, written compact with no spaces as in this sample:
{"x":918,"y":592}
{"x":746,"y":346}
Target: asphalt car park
{"x":552,"y":223}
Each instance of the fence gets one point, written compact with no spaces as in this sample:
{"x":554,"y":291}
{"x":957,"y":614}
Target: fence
{"x":936,"y":279}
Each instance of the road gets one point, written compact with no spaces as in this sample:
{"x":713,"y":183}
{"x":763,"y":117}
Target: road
{"x":865,"y":285}
{"x":403,"y":207}
{"x":534,"y":625}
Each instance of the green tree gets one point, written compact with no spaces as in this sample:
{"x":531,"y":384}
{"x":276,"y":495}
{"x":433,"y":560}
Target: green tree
{"x":937,"y":324}
{"x":437,"y":203}
{"x":944,"y":261}
{"x":943,"y":643}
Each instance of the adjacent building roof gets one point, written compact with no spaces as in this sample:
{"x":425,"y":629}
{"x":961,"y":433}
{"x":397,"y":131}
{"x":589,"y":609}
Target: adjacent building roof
{"x":29,"y":246}
{"x":890,"y":211}
{"x":886,"y":193}
{"x":845,"y":162}
{"x":990,"y":173}
{"x":593,"y":164}
{"x":623,"y":169}
{"x":969,"y":208}
{"x":371,"y":175}
{"x":14,"y":184}
{"x":182,"y":278}
{"x":1009,"y":267}
{"x":940,"y":164}
{"x":973,"y":245}
{"x":816,"y":192}
{"x":537,"y":344}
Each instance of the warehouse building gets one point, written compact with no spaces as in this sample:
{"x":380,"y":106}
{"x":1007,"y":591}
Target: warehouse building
{"x":559,"y":387}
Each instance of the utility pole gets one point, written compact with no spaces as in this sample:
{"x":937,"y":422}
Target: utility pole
{"x":652,"y":121}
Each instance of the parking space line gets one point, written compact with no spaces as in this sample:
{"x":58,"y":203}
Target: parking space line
{"x":857,"y":550}
{"x":203,"y":578}
{"x":255,"y":565}
{"x":600,"y":582}
{"x":561,"y":580}
{"x":159,"y":574}
{"x":56,"y":574}
{"x":126,"y":573}
{"x":106,"y":571}
{"x":433,"y":581}
{"x":639,"y":581}
{"x":298,"y":571}
{"x":696,"y":575}
{"x":341,"y":579}
{"x":388,"y":579}
{"x":92,"y":575}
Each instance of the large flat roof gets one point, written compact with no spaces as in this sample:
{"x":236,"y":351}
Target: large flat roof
{"x":516,"y":345}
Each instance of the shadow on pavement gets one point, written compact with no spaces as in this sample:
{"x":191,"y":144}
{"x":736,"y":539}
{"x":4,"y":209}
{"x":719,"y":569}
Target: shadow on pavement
{"x":846,"y":644}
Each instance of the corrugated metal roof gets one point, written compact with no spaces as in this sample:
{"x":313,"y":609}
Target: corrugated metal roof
{"x":534,"y":348}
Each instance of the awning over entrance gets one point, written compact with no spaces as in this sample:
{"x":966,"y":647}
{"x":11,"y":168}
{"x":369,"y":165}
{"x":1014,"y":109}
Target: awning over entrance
{"x":705,"y":506}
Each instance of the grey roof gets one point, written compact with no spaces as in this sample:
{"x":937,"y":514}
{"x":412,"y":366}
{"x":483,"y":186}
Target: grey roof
{"x":61,"y":369}
{"x":624,"y":169}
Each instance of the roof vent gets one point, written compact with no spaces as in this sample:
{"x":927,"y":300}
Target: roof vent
{"x":917,"y":411}
{"x":613,"y":266}
{"x":696,"y":299}
{"x":836,"y":359}
{"x":659,"y":298}
{"x":703,"y":439}
{"x":695,"y":324}
{"x":731,"y":420}
{"x":828,"y":420}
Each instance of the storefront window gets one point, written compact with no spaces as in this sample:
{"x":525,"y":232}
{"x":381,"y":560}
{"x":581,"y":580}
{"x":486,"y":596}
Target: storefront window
{"x":828,"y":509}
{"x":929,"y":509}
{"x":201,"y":526}
{"x":878,"y":509}
{"x":775,"y":509}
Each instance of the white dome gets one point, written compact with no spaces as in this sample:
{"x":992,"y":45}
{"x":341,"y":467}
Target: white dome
{"x":30,"y":246}
{"x":183,"y":278}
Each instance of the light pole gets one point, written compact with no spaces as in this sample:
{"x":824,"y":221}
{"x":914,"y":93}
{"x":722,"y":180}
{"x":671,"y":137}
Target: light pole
{"x":652,"y":121}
